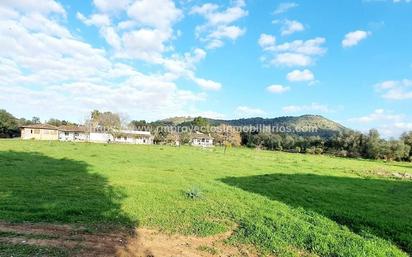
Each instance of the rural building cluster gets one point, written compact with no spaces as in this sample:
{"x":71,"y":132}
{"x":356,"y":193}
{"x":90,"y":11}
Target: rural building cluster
{"x":96,"y":135}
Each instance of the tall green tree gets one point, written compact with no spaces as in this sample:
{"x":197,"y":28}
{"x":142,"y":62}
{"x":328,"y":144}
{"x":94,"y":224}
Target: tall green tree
{"x":373,"y":145}
{"x":8,"y":125}
{"x":107,"y":120}
{"x":35,"y":120}
{"x":200,"y":124}
{"x":138,"y":124}
{"x":407,"y":139}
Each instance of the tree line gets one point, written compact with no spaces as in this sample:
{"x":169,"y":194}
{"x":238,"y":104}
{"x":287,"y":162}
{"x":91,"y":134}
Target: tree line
{"x":344,"y":144}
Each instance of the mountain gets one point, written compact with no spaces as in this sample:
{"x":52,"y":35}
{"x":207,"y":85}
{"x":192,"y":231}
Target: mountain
{"x":320,"y":125}
{"x":175,"y":120}
{"x":312,"y":125}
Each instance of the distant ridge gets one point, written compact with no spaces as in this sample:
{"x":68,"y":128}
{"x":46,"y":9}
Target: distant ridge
{"x":325,"y":127}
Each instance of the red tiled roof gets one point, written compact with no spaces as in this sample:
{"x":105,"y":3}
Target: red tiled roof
{"x":40,"y":126}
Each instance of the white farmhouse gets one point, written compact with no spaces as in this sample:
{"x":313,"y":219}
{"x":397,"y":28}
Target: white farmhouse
{"x":203,"y":140}
{"x":121,"y":136}
{"x":133,"y":137}
{"x":73,"y":133}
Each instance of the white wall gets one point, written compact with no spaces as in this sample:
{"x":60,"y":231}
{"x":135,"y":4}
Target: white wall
{"x":204,"y":143}
{"x":100,"y":137}
{"x":72,"y":136}
{"x":39,"y":134}
{"x":133,"y":140}
{"x":105,"y":138}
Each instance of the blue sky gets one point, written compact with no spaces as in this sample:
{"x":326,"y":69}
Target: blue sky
{"x":350,"y":61}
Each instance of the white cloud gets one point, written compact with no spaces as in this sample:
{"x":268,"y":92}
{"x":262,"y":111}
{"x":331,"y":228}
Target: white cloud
{"x":214,"y":17}
{"x":207,"y":114}
{"x":231,"y":32}
{"x":246,"y":111}
{"x":142,"y":96}
{"x":388,"y":123}
{"x":292,"y":59}
{"x":266,"y":41}
{"x":95,"y":19}
{"x":207,"y":84}
{"x":311,"y":108}
{"x":295,"y":53}
{"x":300,"y":75}
{"x":126,"y":25}
{"x":277,"y":89}
{"x":42,"y":65}
{"x":309,"y":47}
{"x":219,"y":24}
{"x":111,"y":37}
{"x":284,"y":7}
{"x":353,"y":38}
{"x":395,"y":89}
{"x":146,"y":44}
{"x":184,"y":66}
{"x":160,"y":14}
{"x":378,"y":115}
{"x":36,"y":22}
{"x":107,"y":6}
{"x":28,"y":6}
{"x":145,"y":33}
{"x":291,"y":26}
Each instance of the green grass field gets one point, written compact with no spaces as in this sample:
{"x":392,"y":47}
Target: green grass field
{"x":284,"y":204}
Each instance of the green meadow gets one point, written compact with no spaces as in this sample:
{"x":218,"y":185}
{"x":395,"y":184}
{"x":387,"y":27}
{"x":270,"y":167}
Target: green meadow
{"x":283,"y":204}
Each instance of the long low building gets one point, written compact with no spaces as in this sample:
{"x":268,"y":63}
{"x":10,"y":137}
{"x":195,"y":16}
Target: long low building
{"x":82,"y":134}
{"x":73,"y":133}
{"x":40,"y":132}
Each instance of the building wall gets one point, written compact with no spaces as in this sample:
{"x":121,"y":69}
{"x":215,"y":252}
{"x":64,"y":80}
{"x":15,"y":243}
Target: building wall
{"x":72,"y":136}
{"x":134,"y":140}
{"x":45,"y":134}
{"x":100,"y":138}
{"x":39,"y":134}
{"x":204,"y":142}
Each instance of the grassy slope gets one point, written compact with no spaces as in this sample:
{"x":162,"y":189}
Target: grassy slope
{"x":289,"y":204}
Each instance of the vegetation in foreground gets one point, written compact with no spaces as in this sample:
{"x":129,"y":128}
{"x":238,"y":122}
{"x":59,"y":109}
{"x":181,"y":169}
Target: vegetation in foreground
{"x":286,"y":204}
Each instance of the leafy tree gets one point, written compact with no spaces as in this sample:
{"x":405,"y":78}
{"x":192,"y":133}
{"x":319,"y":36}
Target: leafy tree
{"x":35,"y":120}
{"x":8,"y":125}
{"x":138,"y":124}
{"x":373,"y":146}
{"x":57,"y":122}
{"x":226,"y":135}
{"x":160,"y":136}
{"x":23,"y":121}
{"x":172,"y":138}
{"x":106,"y":120}
{"x":184,"y":138}
{"x":200,"y":124}
{"x":407,"y":139}
{"x":398,"y":150}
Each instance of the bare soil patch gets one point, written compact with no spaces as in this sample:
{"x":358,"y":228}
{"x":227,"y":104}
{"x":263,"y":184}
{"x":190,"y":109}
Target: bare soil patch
{"x":139,"y":243}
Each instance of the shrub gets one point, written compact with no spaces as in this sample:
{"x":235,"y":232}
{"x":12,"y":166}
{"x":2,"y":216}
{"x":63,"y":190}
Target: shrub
{"x":193,"y":193}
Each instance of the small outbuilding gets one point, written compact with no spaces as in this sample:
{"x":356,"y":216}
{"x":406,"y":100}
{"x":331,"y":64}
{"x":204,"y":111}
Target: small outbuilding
{"x":133,"y":137}
{"x":72,"y":133}
{"x":202,"y":140}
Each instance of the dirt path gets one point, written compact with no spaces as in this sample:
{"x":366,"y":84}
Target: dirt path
{"x":141,"y":243}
